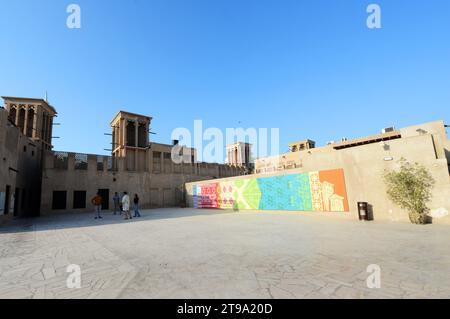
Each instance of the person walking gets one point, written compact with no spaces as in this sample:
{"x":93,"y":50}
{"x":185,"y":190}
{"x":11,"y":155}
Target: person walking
{"x":136,"y":206}
{"x":126,"y":205}
{"x":120,"y":203}
{"x":97,"y":202}
{"x":116,"y":200}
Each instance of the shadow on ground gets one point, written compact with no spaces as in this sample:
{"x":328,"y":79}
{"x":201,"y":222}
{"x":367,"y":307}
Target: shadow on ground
{"x":73,"y":220}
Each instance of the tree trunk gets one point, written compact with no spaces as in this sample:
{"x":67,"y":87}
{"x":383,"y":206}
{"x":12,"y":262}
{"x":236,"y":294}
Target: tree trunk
{"x":418,"y":218}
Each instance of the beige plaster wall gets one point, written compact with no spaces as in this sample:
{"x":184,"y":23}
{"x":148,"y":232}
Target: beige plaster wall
{"x":364,"y":167}
{"x":20,"y":160}
{"x":161,"y":184}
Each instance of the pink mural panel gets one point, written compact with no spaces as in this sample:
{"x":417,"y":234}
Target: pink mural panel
{"x":207,"y":196}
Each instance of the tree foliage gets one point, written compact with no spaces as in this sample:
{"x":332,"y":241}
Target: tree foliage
{"x":410,"y":188}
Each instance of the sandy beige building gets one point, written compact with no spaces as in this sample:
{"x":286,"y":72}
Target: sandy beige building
{"x":137,"y":166}
{"x":240,"y":155}
{"x":36,"y":180}
{"x":363,"y":162}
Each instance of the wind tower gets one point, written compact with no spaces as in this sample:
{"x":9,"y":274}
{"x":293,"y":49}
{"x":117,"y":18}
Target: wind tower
{"x":130,"y":139}
{"x":34,"y":118}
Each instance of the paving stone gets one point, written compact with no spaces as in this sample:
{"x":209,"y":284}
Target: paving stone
{"x":48,"y":273}
{"x":186,"y":253}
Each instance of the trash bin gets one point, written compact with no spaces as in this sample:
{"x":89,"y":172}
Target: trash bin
{"x":363,"y":210}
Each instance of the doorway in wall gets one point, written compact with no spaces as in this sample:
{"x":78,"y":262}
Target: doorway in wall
{"x":59,"y":201}
{"x":7,"y":199}
{"x":168,"y":197}
{"x":104,"y":193}
{"x":79,"y":199}
{"x":16,"y":202}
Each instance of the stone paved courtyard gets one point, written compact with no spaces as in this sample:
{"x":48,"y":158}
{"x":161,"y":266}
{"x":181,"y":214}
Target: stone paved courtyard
{"x":185,"y":253}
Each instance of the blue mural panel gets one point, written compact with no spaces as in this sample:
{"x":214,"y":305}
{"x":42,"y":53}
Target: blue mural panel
{"x":194,"y":196}
{"x":288,"y":192}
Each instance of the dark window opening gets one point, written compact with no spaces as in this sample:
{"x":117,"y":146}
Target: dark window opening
{"x":79,"y":199}
{"x":7,"y":199}
{"x":114,"y":139}
{"x":104,"y":193}
{"x":131,"y":133}
{"x":21,"y":122}
{"x":12,"y":115}
{"x":100,"y":165}
{"x":156,"y":157}
{"x":44,"y":127}
{"x":81,"y":162}
{"x":30,"y":121}
{"x":142,"y":135}
{"x":110,"y":164}
{"x":59,"y":200}
{"x":61,"y":160}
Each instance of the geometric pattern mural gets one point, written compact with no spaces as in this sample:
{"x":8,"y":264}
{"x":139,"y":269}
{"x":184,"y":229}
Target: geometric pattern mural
{"x":321,"y":191}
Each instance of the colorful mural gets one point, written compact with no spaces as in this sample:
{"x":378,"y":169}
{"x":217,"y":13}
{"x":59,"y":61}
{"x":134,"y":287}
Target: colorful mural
{"x":322,"y":191}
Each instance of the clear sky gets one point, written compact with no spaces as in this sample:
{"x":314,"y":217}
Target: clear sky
{"x":311,"y":68}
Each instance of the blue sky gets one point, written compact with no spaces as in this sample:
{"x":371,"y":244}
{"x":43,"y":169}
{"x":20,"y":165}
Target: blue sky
{"x":311,"y":68}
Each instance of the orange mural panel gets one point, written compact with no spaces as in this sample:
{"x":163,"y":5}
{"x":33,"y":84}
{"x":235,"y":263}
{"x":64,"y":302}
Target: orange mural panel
{"x":336,"y":179}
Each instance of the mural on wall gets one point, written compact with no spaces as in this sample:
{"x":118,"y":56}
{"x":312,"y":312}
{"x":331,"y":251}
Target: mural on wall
{"x":206,"y":196}
{"x":322,"y":191}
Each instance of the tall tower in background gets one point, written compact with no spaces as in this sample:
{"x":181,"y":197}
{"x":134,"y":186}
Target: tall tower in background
{"x":33,"y":117}
{"x":240,"y":155}
{"x":130,"y":139}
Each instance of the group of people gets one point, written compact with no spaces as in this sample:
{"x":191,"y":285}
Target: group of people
{"x":122,"y":205}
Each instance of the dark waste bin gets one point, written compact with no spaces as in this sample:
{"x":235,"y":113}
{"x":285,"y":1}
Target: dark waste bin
{"x":363,"y":210}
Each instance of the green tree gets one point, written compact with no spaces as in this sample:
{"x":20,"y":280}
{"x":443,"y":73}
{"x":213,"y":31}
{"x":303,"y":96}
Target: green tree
{"x":410,"y":188}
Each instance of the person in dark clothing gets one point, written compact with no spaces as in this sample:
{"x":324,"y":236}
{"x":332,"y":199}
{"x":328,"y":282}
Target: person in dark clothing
{"x":136,"y":206}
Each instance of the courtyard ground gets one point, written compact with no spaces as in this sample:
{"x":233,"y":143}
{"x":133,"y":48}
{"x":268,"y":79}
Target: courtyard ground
{"x":187,"y":253}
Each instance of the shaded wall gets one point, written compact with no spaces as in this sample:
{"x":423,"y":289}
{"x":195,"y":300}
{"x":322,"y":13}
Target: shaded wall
{"x":20,"y":171}
{"x":160,"y":184}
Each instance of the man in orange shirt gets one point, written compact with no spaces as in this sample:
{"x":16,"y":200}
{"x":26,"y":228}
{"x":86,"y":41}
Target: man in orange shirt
{"x":97,"y":202}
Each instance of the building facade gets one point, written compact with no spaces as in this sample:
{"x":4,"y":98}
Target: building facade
{"x":335,"y":177}
{"x":240,"y":155}
{"x":301,"y":146}
{"x":25,"y":136}
{"x":36,"y":180}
